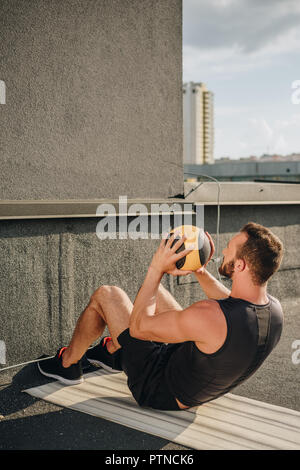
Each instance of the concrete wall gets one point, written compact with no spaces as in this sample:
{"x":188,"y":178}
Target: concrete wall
{"x":93,"y":99}
{"x":49,"y":269}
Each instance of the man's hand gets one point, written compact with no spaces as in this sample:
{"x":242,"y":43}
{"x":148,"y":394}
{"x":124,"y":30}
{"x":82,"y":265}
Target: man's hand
{"x":164,"y":260}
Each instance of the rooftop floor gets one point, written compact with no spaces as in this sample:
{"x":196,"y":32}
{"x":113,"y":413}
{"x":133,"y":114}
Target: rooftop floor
{"x":30,"y":423}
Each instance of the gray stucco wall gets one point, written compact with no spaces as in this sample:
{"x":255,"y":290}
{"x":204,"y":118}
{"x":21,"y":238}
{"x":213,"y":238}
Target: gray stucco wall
{"x":93,"y":99}
{"x":49,"y":269}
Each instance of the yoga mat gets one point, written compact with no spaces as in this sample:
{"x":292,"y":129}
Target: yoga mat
{"x":228,"y":423}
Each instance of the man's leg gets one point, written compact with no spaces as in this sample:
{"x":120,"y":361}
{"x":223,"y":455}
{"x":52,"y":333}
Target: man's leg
{"x":109,"y":305}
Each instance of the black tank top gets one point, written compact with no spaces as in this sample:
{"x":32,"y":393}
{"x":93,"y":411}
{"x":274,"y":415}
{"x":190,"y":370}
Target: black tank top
{"x":252,"y":332}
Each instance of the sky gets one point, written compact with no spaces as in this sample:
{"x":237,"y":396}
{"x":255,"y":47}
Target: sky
{"x":247,"y":52}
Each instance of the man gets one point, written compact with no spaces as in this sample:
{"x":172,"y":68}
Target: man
{"x":177,"y":358}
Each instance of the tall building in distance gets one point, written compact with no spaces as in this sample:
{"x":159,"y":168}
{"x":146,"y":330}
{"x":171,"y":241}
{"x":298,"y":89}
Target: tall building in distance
{"x":198,"y":125}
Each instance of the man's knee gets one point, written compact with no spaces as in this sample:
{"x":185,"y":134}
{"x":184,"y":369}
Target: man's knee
{"x":106,"y":291}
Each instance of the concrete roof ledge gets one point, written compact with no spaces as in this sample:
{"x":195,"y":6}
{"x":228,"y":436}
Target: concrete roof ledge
{"x":240,"y":193}
{"x":230,"y":193}
{"x":70,"y":208}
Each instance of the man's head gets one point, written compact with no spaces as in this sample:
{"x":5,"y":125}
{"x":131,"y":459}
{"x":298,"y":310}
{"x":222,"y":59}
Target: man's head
{"x":256,"y":249}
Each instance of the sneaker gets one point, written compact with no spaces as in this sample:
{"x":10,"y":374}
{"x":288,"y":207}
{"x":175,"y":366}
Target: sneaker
{"x":100,"y":357}
{"x":67,"y":375}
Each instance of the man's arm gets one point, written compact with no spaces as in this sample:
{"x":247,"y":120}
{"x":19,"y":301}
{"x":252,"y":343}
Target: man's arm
{"x":164,"y":260}
{"x":202,"y":322}
{"x":212,"y":288}
{"x":145,"y":301}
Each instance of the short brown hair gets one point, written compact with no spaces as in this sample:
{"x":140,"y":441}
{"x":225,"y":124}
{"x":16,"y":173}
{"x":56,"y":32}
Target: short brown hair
{"x":262,"y":251}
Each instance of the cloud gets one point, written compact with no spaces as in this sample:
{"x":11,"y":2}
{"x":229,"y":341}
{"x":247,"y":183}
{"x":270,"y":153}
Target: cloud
{"x":262,"y":129}
{"x":224,"y":62}
{"x":224,"y":38}
{"x":247,"y":53}
{"x":256,"y":136}
{"x":292,"y":122}
{"x":262,"y":136}
{"x":280,"y":145}
{"x":246,"y":25}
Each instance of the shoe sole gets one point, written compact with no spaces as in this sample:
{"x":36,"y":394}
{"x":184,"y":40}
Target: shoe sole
{"x":96,"y":363}
{"x":61,"y":379}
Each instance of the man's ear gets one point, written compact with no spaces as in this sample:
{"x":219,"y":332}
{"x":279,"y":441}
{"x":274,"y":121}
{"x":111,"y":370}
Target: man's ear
{"x":240,"y":265}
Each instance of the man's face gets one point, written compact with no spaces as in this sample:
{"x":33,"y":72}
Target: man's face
{"x":229,"y":255}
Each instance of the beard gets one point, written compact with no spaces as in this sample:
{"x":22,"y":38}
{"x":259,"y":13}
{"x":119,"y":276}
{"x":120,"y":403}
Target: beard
{"x":227,"y":269}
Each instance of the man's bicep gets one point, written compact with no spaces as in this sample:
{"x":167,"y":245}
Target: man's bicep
{"x":172,"y":326}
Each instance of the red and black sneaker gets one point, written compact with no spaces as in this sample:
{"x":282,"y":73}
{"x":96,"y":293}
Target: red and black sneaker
{"x":100,"y":357}
{"x":67,"y":375}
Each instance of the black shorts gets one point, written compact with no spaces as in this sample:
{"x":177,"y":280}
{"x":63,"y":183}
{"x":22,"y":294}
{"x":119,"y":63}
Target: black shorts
{"x":144,"y":364}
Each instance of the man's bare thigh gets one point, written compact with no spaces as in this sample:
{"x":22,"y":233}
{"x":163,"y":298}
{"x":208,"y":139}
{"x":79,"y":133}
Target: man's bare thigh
{"x":115,"y":307}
